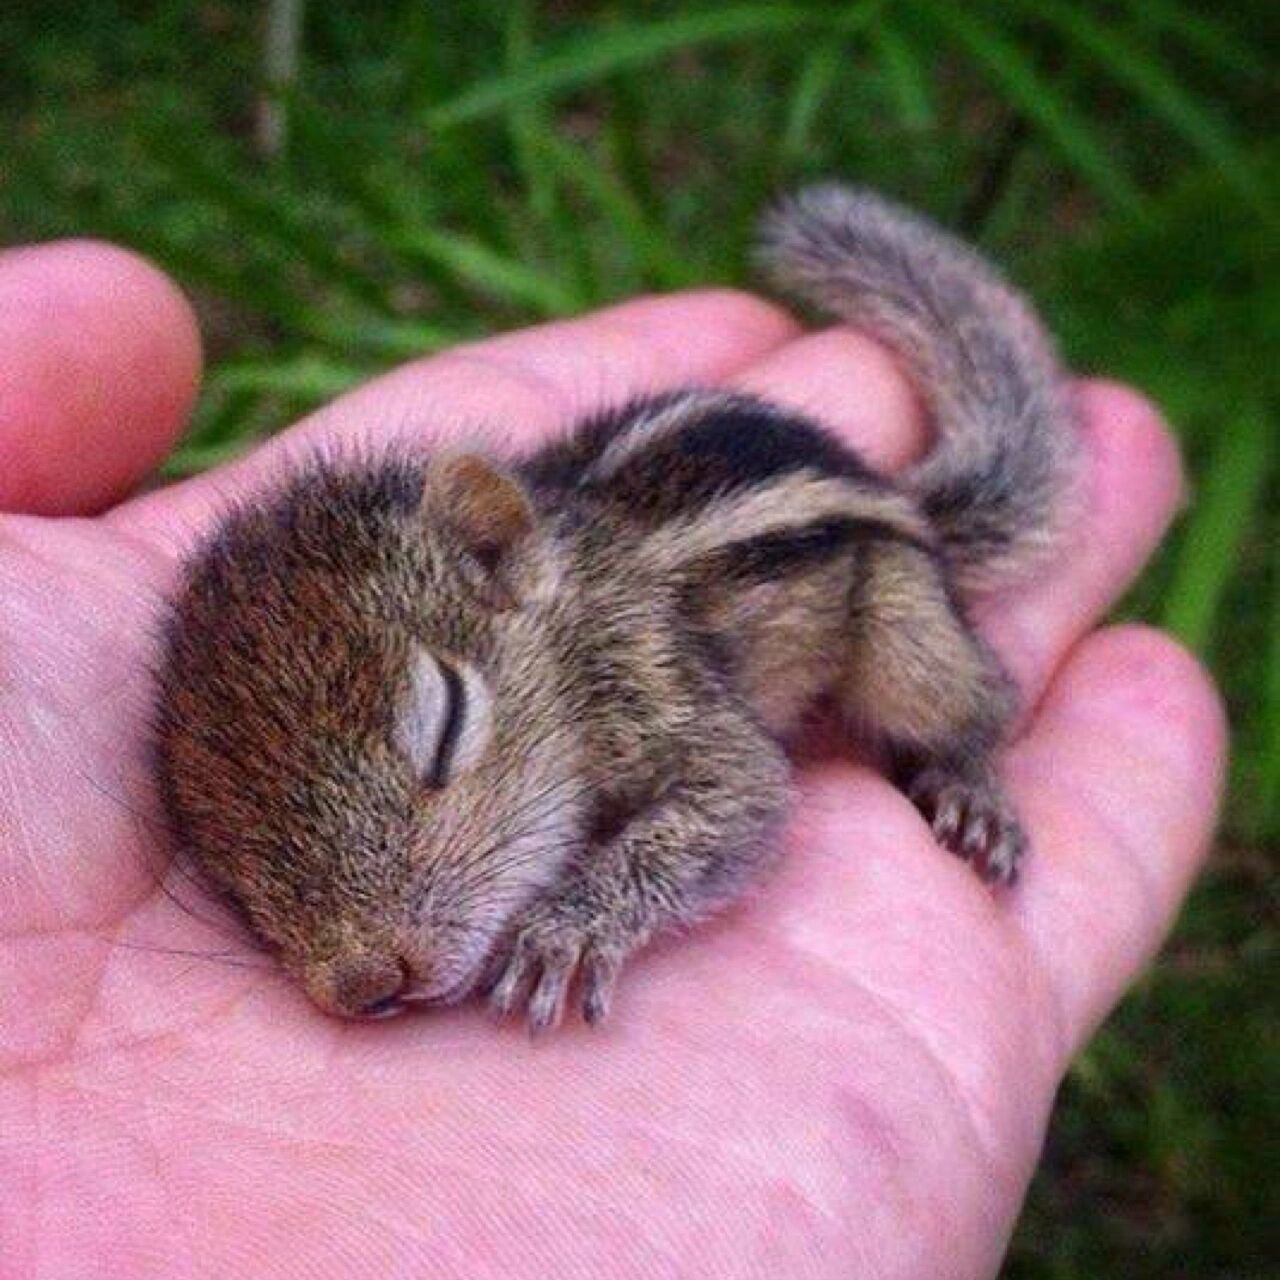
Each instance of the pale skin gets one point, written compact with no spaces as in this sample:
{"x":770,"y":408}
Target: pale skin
{"x":848,"y":1075}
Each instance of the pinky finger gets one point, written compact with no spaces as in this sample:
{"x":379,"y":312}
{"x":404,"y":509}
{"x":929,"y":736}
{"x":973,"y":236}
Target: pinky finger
{"x":1119,"y":777}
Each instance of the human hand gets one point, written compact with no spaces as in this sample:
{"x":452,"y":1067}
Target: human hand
{"x":849,"y":1075}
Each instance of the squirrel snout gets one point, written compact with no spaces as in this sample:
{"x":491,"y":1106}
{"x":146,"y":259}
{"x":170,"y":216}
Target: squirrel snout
{"x":367,"y":986}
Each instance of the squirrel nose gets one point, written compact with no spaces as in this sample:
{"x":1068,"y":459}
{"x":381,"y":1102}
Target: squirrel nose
{"x":385,"y":1007}
{"x":373,"y":988}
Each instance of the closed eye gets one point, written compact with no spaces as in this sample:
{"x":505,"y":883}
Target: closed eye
{"x":451,"y":733}
{"x":442,"y":724}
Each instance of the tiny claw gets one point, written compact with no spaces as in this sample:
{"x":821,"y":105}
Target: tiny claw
{"x":948,"y":818}
{"x":971,"y":818}
{"x":976,"y":837}
{"x":546,"y":1005}
{"x":1004,"y":856}
{"x":599,"y":979}
{"x":507,"y":991}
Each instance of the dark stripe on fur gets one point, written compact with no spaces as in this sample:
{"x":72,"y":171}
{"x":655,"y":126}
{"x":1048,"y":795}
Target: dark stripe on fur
{"x":736,"y":444}
{"x":774,"y":555}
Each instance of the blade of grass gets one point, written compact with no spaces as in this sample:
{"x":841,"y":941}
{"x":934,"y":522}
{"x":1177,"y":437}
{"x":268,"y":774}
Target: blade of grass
{"x":390,"y":339}
{"x":813,"y":86}
{"x":904,"y":74}
{"x":647,"y":241}
{"x":219,"y":417}
{"x":524,"y":118}
{"x":1269,"y":766}
{"x":460,"y":169}
{"x":604,"y":52}
{"x":1220,"y":520}
{"x":527,"y":126}
{"x":339,"y":146}
{"x":309,"y":377}
{"x":627,"y":129}
{"x":1134,"y":67}
{"x":268,"y":214}
{"x":757,"y":183}
{"x":383,"y":201}
{"x":1212,"y":41}
{"x":488,"y":271}
{"x":189,"y":460}
{"x":1011,"y":70}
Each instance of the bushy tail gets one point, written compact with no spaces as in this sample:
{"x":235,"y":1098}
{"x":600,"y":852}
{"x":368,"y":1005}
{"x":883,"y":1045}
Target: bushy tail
{"x":997,"y":485}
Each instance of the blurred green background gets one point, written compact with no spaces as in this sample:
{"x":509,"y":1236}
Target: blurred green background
{"x":342,"y":186}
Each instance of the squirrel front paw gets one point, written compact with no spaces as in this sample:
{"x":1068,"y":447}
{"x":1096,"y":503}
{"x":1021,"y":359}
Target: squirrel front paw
{"x":555,"y":943}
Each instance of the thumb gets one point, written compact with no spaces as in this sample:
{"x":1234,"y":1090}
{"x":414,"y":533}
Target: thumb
{"x":99,"y":364}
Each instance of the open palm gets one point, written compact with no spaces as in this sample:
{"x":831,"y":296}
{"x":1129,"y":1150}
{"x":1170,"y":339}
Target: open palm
{"x":850,"y":1075}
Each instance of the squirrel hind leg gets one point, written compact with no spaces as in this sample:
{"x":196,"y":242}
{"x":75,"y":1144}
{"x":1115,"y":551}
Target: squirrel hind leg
{"x":919,"y":678}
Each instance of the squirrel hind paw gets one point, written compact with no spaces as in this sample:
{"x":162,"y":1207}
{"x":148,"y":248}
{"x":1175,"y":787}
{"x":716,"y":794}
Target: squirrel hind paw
{"x":972,"y":817}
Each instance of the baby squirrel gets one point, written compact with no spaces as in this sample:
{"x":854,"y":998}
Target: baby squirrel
{"x":450,"y":724}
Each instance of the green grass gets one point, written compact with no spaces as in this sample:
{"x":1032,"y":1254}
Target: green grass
{"x":453,"y":169}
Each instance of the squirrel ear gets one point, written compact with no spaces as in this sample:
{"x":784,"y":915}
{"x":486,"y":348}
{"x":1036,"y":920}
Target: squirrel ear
{"x":489,"y":513}
{"x":486,"y":509}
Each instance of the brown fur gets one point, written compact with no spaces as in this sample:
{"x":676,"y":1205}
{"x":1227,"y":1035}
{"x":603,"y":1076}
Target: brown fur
{"x":437,"y":725}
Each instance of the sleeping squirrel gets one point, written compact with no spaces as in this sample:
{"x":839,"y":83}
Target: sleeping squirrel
{"x":449,"y":725}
